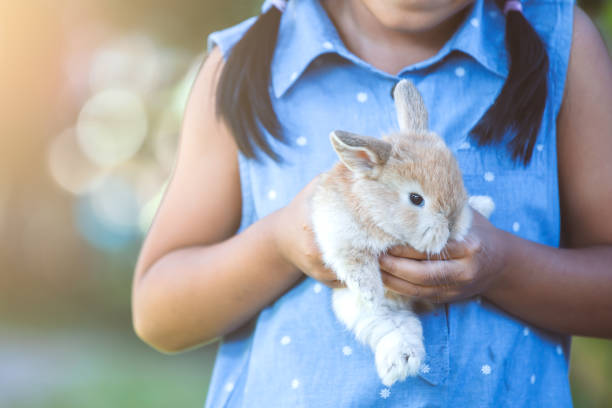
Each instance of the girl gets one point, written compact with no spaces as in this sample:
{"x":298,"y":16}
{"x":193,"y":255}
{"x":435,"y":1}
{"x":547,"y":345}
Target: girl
{"x":521,"y":95}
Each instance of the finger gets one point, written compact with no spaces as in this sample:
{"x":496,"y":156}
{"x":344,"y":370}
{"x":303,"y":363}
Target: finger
{"x":403,"y":287}
{"x":423,"y":273}
{"x":406,"y":251}
{"x":334,"y":284}
{"x":452,"y":250}
{"x":436,"y":294}
{"x":321,"y":272}
{"x":469,"y":245}
{"x":324,"y":276}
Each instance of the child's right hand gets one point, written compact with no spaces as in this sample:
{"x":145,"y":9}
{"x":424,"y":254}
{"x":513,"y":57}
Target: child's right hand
{"x":296,"y":242}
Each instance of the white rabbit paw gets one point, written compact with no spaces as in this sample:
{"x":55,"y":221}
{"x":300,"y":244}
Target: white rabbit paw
{"x":398,"y":357}
{"x":483,"y":204}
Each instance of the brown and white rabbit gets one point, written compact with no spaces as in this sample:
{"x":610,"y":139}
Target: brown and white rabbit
{"x":404,"y":189}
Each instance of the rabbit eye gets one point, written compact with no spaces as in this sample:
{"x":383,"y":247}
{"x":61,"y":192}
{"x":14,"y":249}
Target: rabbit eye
{"x":416,"y":199}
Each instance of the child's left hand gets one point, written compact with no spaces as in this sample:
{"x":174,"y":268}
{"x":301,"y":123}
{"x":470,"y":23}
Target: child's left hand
{"x":462,"y":270}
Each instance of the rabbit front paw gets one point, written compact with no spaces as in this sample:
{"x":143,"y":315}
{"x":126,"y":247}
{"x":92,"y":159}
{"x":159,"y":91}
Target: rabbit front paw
{"x":372,"y":295}
{"x":398,"y":357}
{"x":370,"y":290}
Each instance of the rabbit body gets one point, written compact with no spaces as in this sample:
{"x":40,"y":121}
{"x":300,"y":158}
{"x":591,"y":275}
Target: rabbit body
{"x":404,"y":189}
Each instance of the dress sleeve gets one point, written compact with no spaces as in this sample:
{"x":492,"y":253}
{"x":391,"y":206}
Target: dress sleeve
{"x":227,"y":38}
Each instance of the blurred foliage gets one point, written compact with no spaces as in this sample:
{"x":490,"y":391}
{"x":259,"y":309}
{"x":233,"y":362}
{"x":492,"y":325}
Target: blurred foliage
{"x":601,"y":13}
{"x":72,"y":220}
{"x":591,"y":372}
{"x":592,"y":7}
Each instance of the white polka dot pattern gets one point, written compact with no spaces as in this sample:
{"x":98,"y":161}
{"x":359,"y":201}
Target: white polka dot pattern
{"x":465,"y":146}
{"x":301,"y":141}
{"x":460,"y":71}
{"x":327,"y":45}
{"x":485,"y":369}
{"x":362,"y":97}
{"x":347,"y":351}
{"x":295,"y":383}
{"x":272,"y":195}
{"x":516,"y":226}
{"x":285,"y":340}
{"x":489,"y":176}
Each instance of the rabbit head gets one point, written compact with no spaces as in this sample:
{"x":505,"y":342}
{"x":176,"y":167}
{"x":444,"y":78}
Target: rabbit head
{"x":408,"y":184}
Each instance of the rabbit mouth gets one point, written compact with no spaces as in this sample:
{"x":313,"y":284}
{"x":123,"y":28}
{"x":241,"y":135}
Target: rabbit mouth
{"x":433,"y":240}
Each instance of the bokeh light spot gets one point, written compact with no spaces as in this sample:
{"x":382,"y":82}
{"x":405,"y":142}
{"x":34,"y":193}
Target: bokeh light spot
{"x":108,"y":216}
{"x":112,"y":126}
{"x":130,"y":62}
{"x":69,"y":167}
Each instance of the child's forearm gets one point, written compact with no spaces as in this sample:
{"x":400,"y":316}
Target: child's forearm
{"x":193,"y":295}
{"x":564,"y":290}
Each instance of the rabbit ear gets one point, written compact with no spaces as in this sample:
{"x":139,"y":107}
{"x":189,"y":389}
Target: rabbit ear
{"x":411,"y":110}
{"x":361,"y":154}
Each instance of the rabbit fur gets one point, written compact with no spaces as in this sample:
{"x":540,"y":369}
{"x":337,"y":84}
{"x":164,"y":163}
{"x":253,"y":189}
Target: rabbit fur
{"x":363,"y":206}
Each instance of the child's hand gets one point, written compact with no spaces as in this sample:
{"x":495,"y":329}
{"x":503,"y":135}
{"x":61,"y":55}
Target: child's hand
{"x":464,"y":269}
{"x":296,"y":241}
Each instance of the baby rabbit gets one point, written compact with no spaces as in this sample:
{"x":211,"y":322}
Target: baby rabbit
{"x":404,"y":189}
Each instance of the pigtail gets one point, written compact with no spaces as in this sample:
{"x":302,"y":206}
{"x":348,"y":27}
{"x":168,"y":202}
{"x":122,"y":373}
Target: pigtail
{"x":519,"y":107}
{"x":243,"y":96}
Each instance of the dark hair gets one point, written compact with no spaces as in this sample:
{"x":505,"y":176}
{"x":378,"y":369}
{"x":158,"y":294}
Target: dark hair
{"x":516,"y":114}
{"x":243,"y":96}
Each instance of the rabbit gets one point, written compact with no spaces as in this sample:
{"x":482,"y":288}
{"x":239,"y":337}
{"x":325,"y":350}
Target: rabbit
{"x":404,"y":189}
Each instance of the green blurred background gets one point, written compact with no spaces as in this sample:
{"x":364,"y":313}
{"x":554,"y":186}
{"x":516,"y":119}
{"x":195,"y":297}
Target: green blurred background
{"x":92,"y":98}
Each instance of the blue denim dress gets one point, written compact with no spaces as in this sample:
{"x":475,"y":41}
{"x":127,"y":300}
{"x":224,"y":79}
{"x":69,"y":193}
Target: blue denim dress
{"x":295,"y":353}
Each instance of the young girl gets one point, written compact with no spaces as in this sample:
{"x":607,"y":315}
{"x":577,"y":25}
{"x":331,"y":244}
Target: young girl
{"x":520,"y":93}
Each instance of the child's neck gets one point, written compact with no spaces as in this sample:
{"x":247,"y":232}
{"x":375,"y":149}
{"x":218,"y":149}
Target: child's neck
{"x":392,"y":46}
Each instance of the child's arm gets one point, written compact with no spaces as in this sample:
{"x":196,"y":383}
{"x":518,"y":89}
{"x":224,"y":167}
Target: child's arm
{"x":570,"y":289}
{"x":195,"y":280}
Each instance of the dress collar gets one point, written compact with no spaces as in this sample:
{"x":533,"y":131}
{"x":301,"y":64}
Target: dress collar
{"x":306,"y":33}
